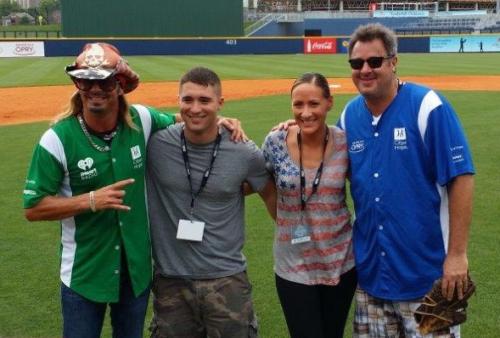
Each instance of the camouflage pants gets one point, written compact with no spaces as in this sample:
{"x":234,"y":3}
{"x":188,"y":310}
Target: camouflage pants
{"x":214,"y":308}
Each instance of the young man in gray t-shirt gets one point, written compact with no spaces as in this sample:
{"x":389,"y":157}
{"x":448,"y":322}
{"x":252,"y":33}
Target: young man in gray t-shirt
{"x":196,"y":206}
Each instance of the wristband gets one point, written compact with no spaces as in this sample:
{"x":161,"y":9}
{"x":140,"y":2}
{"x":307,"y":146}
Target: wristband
{"x":92,"y":201}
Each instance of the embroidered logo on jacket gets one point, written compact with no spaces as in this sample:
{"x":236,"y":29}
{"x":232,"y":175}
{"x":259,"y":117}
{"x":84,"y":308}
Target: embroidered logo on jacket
{"x":357,"y":146}
{"x":135,"y":151}
{"x":457,"y":154}
{"x":86,"y":165}
{"x":400,"y":139}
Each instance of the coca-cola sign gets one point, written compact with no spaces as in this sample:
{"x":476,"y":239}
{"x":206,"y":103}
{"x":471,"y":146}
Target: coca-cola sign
{"x":320,"y":46}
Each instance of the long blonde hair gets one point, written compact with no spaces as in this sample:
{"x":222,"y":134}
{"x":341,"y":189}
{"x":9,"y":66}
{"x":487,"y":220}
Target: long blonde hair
{"x":75,"y":107}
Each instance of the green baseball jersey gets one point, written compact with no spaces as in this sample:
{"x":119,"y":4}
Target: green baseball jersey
{"x":65,"y":163}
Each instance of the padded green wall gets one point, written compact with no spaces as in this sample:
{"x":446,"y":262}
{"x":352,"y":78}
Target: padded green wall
{"x":152,"y":18}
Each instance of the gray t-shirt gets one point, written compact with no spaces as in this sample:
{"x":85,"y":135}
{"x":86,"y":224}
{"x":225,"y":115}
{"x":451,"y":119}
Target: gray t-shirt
{"x":220,"y":205}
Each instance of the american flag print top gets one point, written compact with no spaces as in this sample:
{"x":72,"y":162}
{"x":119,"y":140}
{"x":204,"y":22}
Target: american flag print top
{"x":329,"y":253}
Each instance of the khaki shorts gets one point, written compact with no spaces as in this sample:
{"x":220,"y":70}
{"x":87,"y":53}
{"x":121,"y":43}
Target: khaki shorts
{"x":220,"y":307}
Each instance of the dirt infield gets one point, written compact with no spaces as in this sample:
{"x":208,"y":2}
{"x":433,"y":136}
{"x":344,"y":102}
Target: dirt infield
{"x":29,"y":104}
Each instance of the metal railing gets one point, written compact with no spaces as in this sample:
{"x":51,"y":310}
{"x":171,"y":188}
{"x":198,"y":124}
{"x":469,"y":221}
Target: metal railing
{"x":259,"y":24}
{"x":6,"y":34}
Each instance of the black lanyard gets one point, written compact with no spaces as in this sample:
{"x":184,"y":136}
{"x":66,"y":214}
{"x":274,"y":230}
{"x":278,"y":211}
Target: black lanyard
{"x":207,"y":172}
{"x":317,"y":178}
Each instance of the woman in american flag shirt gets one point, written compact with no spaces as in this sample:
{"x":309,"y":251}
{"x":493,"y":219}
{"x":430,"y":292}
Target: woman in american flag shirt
{"x":314,"y":262}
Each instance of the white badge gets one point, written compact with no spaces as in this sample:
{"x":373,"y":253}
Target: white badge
{"x":300,"y":235}
{"x":190,"y":230}
{"x":301,"y":240}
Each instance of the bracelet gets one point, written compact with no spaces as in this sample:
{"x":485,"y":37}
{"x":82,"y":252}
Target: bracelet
{"x":92,"y":201}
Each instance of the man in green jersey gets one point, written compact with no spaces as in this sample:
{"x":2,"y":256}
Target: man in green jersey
{"x":88,"y":171}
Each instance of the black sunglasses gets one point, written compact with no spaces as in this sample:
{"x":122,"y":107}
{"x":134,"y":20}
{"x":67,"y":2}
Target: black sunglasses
{"x":373,"y":62}
{"x":106,"y":85}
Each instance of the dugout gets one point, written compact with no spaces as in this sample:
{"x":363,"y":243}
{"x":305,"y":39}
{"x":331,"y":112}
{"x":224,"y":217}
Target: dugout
{"x":151,"y":18}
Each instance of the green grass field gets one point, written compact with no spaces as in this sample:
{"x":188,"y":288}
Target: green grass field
{"x":29,"y":283}
{"x":50,"y":71}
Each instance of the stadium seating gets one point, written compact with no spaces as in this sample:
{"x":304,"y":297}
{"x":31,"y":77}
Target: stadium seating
{"x":341,"y":17}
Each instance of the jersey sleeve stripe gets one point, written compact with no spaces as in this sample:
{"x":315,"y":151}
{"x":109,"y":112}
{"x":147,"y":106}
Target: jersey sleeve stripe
{"x":51,"y":142}
{"x":146,"y":122}
{"x":444,"y":217}
{"x":69,"y":249}
{"x":430,"y":102}
{"x":342,"y":119}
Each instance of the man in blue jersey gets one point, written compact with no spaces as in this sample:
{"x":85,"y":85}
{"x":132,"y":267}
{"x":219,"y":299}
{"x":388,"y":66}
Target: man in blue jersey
{"x":412,"y":186}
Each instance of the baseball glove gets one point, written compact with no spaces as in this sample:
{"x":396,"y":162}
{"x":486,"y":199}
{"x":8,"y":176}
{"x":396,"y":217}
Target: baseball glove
{"x":437,"y":313}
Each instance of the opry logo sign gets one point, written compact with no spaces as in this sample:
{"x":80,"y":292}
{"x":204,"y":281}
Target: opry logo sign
{"x":320,"y":45}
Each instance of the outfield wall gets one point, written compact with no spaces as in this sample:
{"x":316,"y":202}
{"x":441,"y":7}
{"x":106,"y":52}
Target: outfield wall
{"x":152,"y":18}
{"x":405,"y":44}
{"x":228,"y":46}
{"x":183,"y":46}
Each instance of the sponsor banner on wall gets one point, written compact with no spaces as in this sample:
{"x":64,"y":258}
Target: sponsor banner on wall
{"x":342,"y":45}
{"x":11,"y":49}
{"x":465,"y":44}
{"x":461,"y":13}
{"x":317,"y":45}
{"x":401,"y":14}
